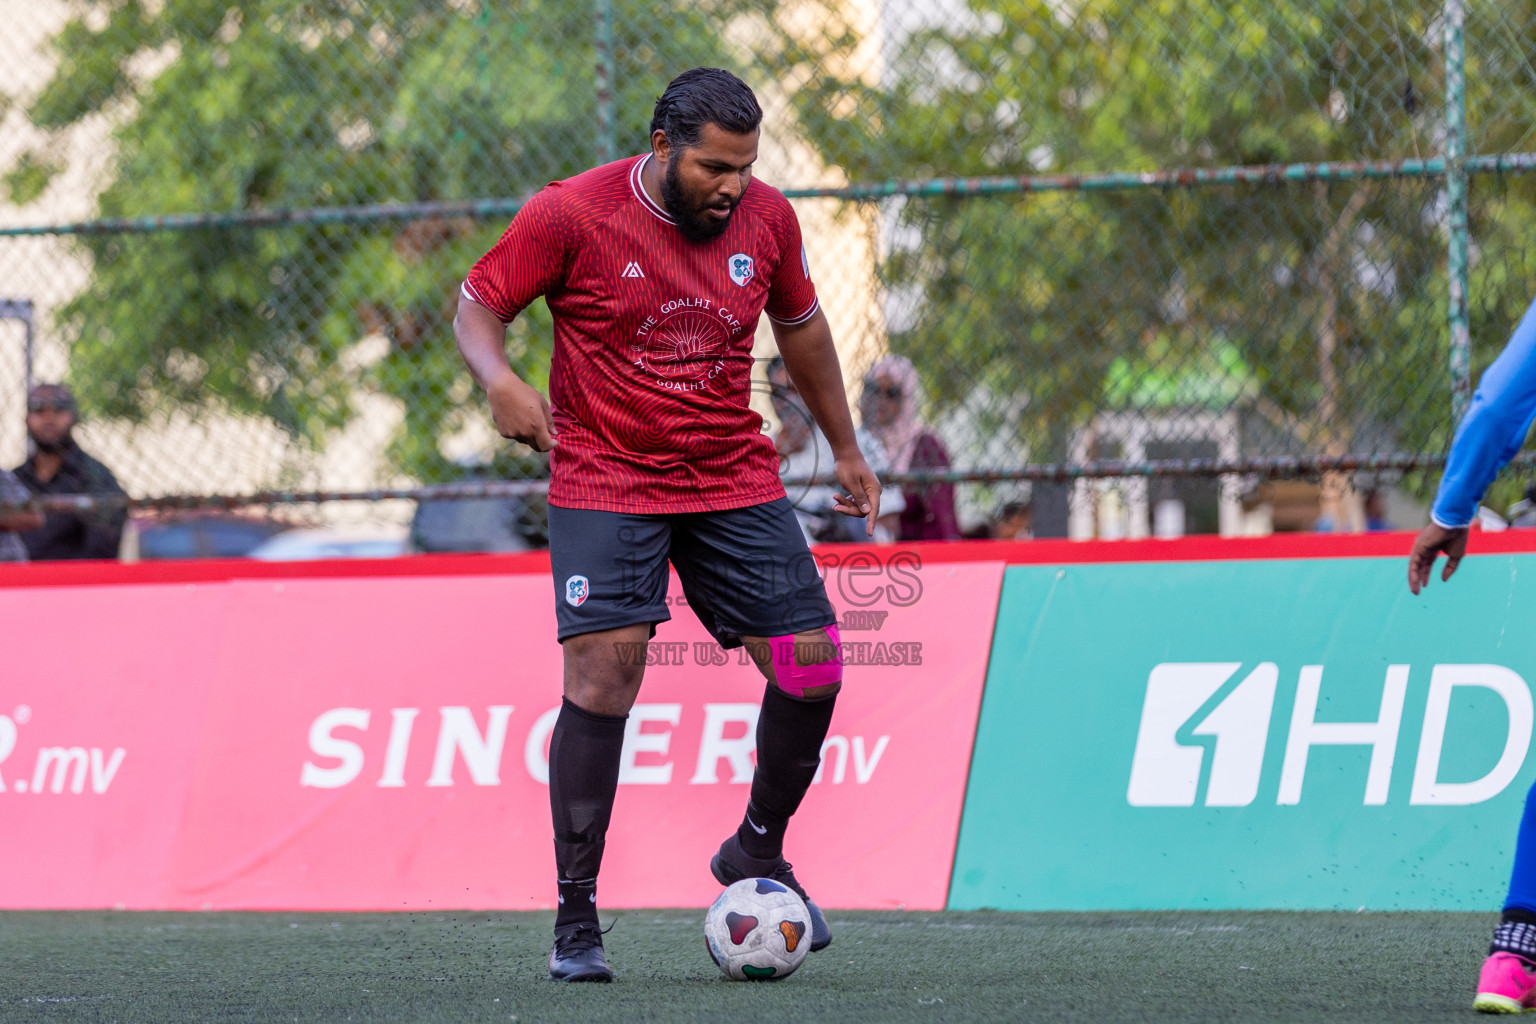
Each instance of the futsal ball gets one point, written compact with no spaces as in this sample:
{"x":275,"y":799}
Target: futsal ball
{"x":757,"y":931}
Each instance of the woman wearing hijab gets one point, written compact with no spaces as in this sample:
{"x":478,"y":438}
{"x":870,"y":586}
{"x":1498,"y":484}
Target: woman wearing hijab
{"x":889,"y":406}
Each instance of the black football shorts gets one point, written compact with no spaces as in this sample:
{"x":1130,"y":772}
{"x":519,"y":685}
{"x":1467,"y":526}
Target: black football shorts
{"x":745,"y":571}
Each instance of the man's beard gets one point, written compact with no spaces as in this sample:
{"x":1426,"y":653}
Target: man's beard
{"x":58,"y":447}
{"x":691,"y":220}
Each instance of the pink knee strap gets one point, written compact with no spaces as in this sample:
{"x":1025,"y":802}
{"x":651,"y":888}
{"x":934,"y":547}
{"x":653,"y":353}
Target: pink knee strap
{"x":795,"y":678}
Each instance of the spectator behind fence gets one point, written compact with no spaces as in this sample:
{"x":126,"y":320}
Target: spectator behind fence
{"x":58,"y":466}
{"x":13,"y":490}
{"x":889,"y":407}
{"x":1376,"y":511}
{"x":804,"y":451}
{"x":1013,"y":521}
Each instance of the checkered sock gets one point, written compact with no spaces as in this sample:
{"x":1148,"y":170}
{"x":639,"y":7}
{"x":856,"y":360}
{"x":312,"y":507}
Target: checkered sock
{"x":1517,"y":937}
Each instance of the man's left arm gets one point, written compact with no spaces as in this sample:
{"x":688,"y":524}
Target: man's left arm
{"x":811,"y":359}
{"x":805,"y":343}
{"x":1491,"y":434}
{"x":104,"y":523}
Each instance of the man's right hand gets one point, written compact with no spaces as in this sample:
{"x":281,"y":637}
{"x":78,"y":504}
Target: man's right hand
{"x":1427,"y":546}
{"x":521,"y":413}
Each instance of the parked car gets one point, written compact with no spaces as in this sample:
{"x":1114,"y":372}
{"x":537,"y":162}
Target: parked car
{"x":1522,"y":514}
{"x":196,"y":535}
{"x":307,"y":545}
{"x":480,"y":524}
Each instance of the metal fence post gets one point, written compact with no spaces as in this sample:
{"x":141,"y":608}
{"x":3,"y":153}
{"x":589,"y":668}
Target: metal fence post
{"x":21,"y":309}
{"x":607,"y":148}
{"x":1456,"y":199}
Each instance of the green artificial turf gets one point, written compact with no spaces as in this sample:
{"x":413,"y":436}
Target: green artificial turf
{"x":884,"y":968}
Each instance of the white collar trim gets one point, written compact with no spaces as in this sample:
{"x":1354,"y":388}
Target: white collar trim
{"x":640,"y":192}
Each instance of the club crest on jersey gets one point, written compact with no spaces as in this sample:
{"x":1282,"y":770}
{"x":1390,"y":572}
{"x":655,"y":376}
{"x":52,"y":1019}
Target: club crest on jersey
{"x":741,"y":268}
{"x":576,"y":590}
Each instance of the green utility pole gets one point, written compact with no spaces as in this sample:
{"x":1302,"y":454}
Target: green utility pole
{"x":1456,"y":199}
{"x":607,"y":148}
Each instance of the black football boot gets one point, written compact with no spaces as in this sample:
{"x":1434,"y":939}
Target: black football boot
{"x":732,"y":864}
{"x":578,"y":954}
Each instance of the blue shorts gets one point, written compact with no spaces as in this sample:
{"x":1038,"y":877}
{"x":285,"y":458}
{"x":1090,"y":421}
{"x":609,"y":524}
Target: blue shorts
{"x":745,"y":571}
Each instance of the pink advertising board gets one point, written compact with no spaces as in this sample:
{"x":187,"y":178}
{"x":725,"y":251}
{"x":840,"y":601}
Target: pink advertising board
{"x":380,"y":743}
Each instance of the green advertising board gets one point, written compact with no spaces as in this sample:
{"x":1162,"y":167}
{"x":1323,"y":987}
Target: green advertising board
{"x":1298,"y":734}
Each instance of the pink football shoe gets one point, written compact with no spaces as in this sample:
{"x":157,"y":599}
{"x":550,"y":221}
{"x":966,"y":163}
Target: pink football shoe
{"x":1506,"y":985}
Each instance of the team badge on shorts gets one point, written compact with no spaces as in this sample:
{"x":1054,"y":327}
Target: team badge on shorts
{"x":741,"y":268}
{"x":576,"y":590}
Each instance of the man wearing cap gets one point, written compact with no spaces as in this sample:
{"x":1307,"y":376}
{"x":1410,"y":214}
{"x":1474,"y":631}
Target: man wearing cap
{"x":58,"y":466}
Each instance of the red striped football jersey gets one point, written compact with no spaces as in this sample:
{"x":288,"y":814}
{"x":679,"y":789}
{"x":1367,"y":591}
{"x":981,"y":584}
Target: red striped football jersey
{"x":653,"y":338}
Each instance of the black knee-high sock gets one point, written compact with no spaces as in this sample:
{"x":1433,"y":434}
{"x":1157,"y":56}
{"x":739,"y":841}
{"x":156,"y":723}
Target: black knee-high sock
{"x":789,"y":735}
{"x":584,"y":752}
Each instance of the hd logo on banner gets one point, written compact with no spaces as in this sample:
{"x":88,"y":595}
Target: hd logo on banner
{"x":1286,"y":734}
{"x":1169,"y":762}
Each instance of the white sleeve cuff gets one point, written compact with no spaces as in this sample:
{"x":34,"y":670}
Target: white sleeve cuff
{"x":469,"y":293}
{"x":1448,"y":526}
{"x":802,"y":318}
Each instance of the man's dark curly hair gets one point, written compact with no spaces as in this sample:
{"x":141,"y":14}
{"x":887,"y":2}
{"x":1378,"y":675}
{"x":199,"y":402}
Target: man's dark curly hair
{"x":705,"y":96}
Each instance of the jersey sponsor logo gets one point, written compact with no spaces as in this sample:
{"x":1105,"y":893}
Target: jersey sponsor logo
{"x":632,"y":269}
{"x":740,"y":266}
{"x":682,"y":345}
{"x":805,"y":264}
{"x":577,"y":590}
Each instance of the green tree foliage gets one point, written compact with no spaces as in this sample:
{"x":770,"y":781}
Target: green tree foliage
{"x":1330,"y":297}
{"x":1320,"y":306}
{"x":29,"y":178}
{"x":229,"y":105}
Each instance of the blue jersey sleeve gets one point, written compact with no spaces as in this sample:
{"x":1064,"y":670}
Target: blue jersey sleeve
{"x":1493,"y":430}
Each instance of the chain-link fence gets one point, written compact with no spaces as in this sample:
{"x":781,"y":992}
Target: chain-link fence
{"x":1154,"y":262}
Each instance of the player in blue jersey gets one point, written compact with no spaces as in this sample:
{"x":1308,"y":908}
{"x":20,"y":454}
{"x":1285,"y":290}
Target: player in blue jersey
{"x":1492,"y":432}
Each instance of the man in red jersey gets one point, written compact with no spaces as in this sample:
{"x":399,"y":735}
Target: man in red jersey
{"x":656,"y":269}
